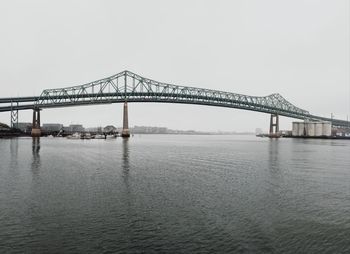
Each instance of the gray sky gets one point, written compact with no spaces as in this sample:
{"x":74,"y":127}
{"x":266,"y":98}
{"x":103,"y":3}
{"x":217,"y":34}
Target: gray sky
{"x":297,"y":48}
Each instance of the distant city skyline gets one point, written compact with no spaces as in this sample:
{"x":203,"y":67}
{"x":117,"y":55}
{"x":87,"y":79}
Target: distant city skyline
{"x":26,"y":126}
{"x":299,"y":49}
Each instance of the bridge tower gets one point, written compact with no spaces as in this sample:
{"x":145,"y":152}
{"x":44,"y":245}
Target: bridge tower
{"x":274,"y":125}
{"x":14,"y":116}
{"x":125,"y":131}
{"x":36,"y":131}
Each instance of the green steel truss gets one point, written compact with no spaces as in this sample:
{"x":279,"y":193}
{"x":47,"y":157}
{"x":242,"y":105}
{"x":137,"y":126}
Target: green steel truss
{"x":130,"y":87}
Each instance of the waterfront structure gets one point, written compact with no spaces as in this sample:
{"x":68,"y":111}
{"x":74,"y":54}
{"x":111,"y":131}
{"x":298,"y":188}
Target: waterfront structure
{"x":4,"y":127}
{"x":52,"y":127}
{"x":24,"y":127}
{"x":312,"y":129}
{"x":7,"y":131}
{"x":274,"y":126}
{"x":126,"y":87}
{"x":73,"y":128}
{"x":149,"y":130}
{"x":76,"y":128}
{"x":36,"y":130}
{"x":94,"y":129}
{"x":125,"y":131}
{"x":110,"y":129}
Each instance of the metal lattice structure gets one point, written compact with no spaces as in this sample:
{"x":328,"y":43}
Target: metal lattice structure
{"x":14,"y":116}
{"x":130,"y":87}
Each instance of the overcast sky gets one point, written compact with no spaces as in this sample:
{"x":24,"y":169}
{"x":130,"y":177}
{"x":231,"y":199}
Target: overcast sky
{"x":298,"y":48}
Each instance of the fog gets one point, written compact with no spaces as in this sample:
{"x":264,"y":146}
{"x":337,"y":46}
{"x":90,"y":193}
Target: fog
{"x":297,"y":48}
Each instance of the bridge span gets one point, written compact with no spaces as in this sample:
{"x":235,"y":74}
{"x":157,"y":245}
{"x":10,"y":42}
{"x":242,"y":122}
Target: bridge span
{"x":127,"y":87}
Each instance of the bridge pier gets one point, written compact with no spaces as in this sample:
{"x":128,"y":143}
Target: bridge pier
{"x":125,"y":131}
{"x":14,"y":116}
{"x":36,"y":131}
{"x":274,"y":126}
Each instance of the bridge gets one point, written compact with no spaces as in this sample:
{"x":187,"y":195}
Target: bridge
{"x":127,"y":86}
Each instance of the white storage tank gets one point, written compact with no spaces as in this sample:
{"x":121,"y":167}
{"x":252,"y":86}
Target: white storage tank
{"x":318,"y":129}
{"x":295,"y":130}
{"x":310,"y":130}
{"x":301,"y":129}
{"x":326,"y":129}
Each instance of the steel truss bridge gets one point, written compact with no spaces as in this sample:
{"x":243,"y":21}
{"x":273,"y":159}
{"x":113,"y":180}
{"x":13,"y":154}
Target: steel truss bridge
{"x":130,"y":87}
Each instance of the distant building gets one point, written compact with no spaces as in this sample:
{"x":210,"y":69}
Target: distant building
{"x":94,"y":129}
{"x":110,"y":129}
{"x":76,"y":128}
{"x":66,"y":129}
{"x":312,"y":129}
{"x":73,"y":128}
{"x":149,"y":130}
{"x":25,"y":127}
{"x":51,"y":127}
{"x":4,"y":127}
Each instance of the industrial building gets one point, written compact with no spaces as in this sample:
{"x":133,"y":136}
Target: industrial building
{"x":51,"y":127}
{"x":110,"y":129}
{"x":4,"y":127}
{"x":312,"y":129}
{"x":76,"y":128}
{"x":24,"y":127}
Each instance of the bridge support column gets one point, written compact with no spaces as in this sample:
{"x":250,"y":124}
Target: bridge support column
{"x":36,"y":131}
{"x":274,"y":125}
{"x":125,"y":131}
{"x":14,"y":116}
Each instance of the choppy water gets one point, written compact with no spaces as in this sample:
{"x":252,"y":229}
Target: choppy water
{"x":174,"y":194}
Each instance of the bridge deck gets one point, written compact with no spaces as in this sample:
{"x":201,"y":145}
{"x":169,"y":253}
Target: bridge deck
{"x":128,"y":86}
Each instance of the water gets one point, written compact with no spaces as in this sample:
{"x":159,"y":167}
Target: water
{"x":174,"y":194}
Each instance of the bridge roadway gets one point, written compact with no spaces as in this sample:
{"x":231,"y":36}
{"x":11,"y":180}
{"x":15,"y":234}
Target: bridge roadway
{"x":130,"y":87}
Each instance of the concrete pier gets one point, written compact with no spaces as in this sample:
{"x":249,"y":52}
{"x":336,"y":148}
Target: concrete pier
{"x":36,"y":130}
{"x":274,"y":126}
{"x":125,"y":131}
